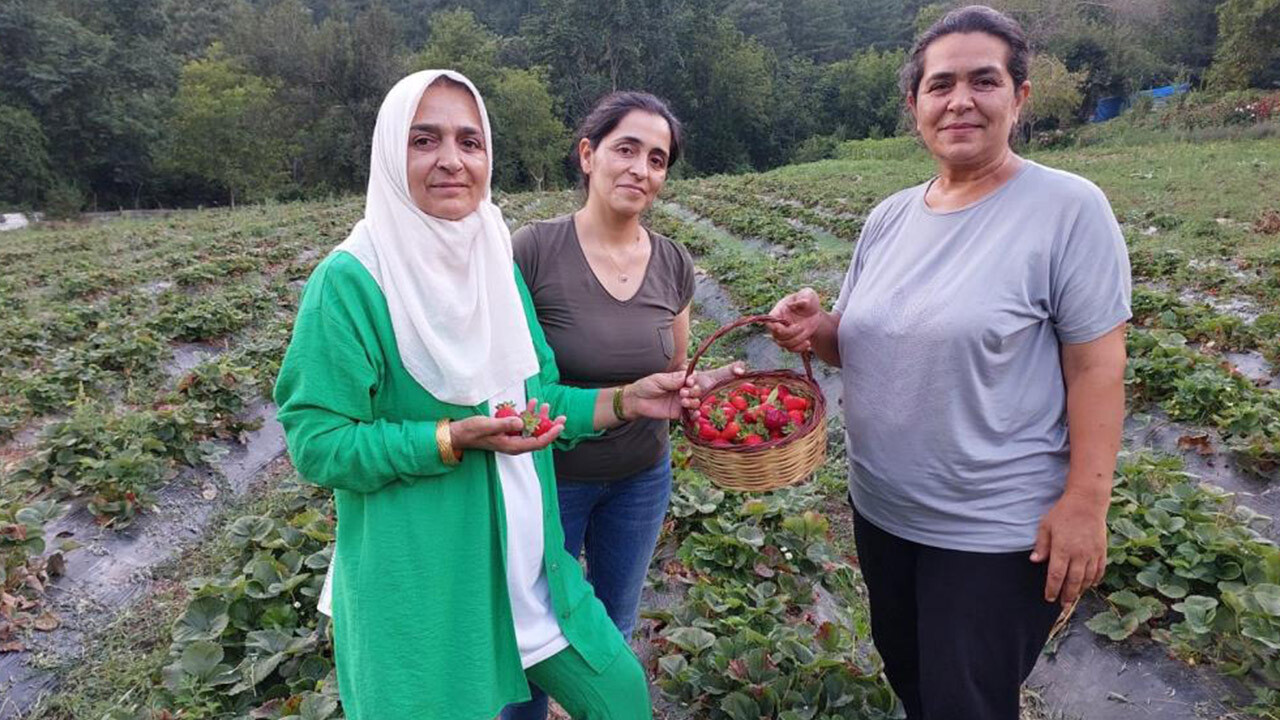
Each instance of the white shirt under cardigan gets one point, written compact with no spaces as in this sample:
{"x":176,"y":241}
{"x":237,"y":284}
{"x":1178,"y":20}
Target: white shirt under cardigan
{"x":538,"y":634}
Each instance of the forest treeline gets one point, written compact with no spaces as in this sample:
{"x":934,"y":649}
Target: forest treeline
{"x":144,"y":103}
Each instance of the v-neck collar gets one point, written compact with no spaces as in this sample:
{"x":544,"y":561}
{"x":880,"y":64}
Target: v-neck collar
{"x":582,"y":253}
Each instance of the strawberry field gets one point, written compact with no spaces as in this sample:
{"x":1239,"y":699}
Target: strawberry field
{"x":158,"y":558}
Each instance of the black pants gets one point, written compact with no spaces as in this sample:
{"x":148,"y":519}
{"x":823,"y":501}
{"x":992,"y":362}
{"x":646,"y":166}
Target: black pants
{"x":959,"y":631}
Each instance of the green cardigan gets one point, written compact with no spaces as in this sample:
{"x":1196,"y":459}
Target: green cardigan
{"x":422,"y":619}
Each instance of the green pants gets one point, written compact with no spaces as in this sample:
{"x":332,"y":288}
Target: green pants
{"x":619,"y":692}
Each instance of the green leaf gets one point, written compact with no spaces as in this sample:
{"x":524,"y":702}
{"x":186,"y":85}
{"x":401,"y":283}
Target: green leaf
{"x":205,"y":619}
{"x":689,"y":639}
{"x":251,"y":528}
{"x":200,"y":659}
{"x":751,"y":535}
{"x":1125,"y":599}
{"x":1198,"y":612}
{"x":1112,"y":625}
{"x":1173,"y":587}
{"x":1268,"y":597}
{"x":738,"y":706}
{"x":317,"y":707}
{"x":672,"y":665}
{"x":1152,"y":575}
{"x":1261,"y":629}
{"x":1128,"y":528}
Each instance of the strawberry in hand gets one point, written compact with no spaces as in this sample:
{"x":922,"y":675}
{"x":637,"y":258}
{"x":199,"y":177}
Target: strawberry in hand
{"x":536,"y":424}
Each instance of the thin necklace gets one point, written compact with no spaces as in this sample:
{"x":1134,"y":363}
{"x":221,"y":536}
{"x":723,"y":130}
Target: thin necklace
{"x":622,"y":276}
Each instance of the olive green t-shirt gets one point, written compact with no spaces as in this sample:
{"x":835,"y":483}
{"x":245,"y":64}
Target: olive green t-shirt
{"x":601,"y":341}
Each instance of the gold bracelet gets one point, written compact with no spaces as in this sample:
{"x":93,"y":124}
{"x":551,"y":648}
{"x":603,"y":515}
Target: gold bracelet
{"x":617,"y":403}
{"x":444,"y":443}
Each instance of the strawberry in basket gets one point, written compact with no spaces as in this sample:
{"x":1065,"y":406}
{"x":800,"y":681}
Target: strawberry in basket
{"x":761,"y":431}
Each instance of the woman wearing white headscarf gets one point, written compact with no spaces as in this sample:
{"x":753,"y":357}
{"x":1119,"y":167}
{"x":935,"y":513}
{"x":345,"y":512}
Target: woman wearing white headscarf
{"x":451,"y":587}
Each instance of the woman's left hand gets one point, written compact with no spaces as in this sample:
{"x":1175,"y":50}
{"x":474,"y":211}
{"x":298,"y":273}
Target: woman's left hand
{"x":662,"y":395}
{"x":704,"y":380}
{"x":1073,"y":538}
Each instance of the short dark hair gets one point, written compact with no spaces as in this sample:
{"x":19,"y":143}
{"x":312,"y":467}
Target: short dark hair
{"x":609,"y":111}
{"x":970,"y":19}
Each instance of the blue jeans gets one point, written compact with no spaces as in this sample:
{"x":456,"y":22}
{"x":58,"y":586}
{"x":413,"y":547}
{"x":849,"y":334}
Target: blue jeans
{"x":618,"y":524}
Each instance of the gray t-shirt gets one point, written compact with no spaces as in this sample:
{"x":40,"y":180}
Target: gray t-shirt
{"x":600,"y":341}
{"x":950,"y":337}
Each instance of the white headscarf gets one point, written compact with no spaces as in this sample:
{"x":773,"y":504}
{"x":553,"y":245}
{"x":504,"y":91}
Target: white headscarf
{"x":458,"y":320}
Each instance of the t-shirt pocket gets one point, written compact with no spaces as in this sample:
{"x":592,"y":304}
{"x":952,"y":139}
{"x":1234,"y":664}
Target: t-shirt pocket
{"x":667,"y":341}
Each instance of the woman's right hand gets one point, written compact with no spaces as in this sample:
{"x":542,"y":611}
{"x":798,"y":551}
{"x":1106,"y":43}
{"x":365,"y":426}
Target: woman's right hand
{"x":488,"y":433}
{"x":802,"y":313}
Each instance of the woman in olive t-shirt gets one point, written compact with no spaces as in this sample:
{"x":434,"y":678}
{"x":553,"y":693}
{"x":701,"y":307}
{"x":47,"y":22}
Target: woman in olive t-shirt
{"x":613,"y":300}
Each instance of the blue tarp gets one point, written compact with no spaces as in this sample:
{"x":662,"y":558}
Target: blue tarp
{"x":1166,"y":92}
{"x":1107,"y":108}
{"x":1110,"y":107}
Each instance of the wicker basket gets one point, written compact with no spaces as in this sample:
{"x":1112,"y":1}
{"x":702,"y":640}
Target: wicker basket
{"x":774,"y":463}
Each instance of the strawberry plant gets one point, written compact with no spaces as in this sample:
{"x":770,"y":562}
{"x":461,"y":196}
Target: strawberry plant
{"x":251,"y":640}
{"x":220,"y":390}
{"x":25,"y":570}
{"x":114,"y":459}
{"x":746,"y":641}
{"x":1187,"y":548}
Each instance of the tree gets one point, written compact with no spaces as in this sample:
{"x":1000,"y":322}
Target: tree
{"x":1247,"y":43}
{"x":459,"y":42}
{"x":225,"y":128}
{"x":762,"y":20}
{"x":98,"y":82}
{"x":721,"y":85}
{"x":1055,"y":92}
{"x":25,"y":173}
{"x":592,"y":47}
{"x":817,"y":29}
{"x":530,"y":141}
{"x":195,"y":24}
{"x":867,"y":101}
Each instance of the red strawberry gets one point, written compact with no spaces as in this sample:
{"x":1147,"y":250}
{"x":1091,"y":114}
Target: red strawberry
{"x":750,"y":415}
{"x":730,"y":431}
{"x":783,"y":392}
{"x":729,"y":411}
{"x":707,"y":432}
{"x":749,"y":388}
{"x":738,"y":401}
{"x":544,"y":424}
{"x":795,"y":402}
{"x":796,"y":416}
{"x":506,"y":410}
{"x":774,"y":419}
{"x":752,"y":439}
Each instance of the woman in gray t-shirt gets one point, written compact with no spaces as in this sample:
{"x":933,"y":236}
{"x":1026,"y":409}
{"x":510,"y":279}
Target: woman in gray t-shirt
{"x":613,"y":299}
{"x":980,"y":334}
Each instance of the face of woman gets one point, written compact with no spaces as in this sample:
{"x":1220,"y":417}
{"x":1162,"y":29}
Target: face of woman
{"x":629,"y":166}
{"x":967,"y":102}
{"x":448,"y":163}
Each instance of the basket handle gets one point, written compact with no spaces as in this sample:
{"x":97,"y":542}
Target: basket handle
{"x":749,"y":320}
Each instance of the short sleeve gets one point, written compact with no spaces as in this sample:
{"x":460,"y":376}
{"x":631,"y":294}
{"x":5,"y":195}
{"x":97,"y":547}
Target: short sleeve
{"x":524,"y":248}
{"x":870,"y":229}
{"x":1090,"y":284}
{"x":684,"y":271}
